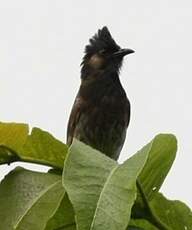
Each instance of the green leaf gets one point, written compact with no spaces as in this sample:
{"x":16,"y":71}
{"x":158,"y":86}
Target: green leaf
{"x":101,"y":191}
{"x":38,"y":147}
{"x":175,"y":214}
{"x":44,"y":148}
{"x":141,"y":224}
{"x":29,"y":199}
{"x":12,"y":136}
{"x":159,"y":162}
{"x":63,"y":218}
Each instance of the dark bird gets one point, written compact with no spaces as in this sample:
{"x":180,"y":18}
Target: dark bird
{"x":101,"y":111}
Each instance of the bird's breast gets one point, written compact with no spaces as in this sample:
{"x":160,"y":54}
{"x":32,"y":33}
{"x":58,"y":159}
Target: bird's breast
{"x":105,"y":102}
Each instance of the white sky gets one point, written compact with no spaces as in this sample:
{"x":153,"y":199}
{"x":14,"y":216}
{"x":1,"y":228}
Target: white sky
{"x":41,"y":46}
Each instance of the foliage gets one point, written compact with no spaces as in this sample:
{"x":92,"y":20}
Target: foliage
{"x":86,"y":190}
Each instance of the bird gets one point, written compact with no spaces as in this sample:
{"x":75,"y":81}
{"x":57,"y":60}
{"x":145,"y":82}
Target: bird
{"x":101,"y":111}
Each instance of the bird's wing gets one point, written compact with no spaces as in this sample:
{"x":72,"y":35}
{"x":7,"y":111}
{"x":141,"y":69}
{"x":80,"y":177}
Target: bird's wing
{"x":74,"y":118}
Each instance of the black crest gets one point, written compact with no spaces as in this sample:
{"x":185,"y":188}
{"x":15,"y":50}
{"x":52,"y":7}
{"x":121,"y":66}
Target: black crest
{"x":101,"y":41}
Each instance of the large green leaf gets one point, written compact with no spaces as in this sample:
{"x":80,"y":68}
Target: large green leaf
{"x":101,"y":191}
{"x":159,"y":162}
{"x":175,"y":214}
{"x":29,"y":199}
{"x":161,"y":157}
{"x":63,"y":218}
{"x":12,"y":136}
{"x":43,"y":148}
{"x":38,"y":147}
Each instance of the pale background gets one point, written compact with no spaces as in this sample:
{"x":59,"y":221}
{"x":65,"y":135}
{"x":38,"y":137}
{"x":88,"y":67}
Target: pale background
{"x":41,"y":46}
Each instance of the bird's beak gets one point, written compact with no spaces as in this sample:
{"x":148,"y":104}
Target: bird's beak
{"x":122,"y":52}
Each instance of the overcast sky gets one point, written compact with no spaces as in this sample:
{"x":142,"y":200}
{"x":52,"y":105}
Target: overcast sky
{"x":41,"y":46}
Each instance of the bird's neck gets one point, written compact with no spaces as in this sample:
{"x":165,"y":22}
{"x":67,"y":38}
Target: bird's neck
{"x":97,"y":76}
{"x":100,"y":84}
{"x":89,"y":72}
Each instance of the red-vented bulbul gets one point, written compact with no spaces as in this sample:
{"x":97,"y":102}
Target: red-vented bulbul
{"x":101,"y":111}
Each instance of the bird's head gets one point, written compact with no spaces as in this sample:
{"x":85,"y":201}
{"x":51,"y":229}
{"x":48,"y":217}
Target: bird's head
{"x":103,"y":54}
